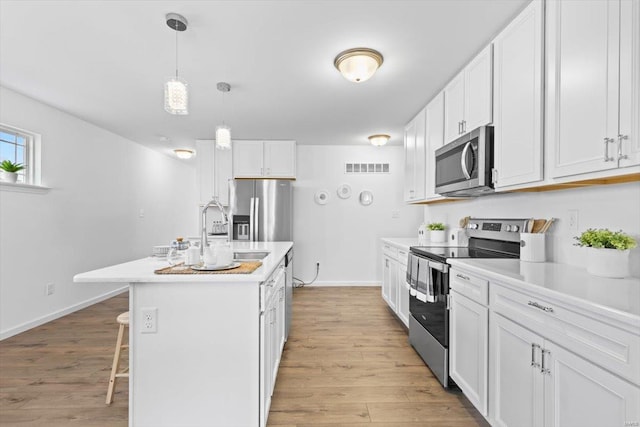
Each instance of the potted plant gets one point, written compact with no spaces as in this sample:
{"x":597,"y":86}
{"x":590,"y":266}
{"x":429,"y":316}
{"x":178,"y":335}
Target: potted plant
{"x":436,"y":232}
{"x":9,"y":171}
{"x":608,"y":252}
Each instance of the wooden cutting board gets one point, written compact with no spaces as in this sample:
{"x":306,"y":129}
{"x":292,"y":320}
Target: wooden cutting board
{"x":246,"y":267}
{"x":538,"y":224}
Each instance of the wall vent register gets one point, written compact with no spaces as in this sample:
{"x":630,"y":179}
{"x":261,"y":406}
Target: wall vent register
{"x":366,"y":168}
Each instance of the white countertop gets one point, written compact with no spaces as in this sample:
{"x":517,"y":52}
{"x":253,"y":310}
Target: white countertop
{"x":401,"y":242}
{"x":619,"y":298}
{"x":141,"y":270}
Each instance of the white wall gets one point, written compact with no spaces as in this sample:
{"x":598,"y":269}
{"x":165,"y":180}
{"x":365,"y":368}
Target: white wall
{"x":343,"y":235}
{"x":610,"y":206}
{"x":89,"y":219}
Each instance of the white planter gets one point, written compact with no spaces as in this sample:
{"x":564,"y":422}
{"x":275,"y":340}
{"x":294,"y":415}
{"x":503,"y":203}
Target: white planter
{"x":611,"y":263}
{"x":8,"y":176}
{"x":437,"y":236}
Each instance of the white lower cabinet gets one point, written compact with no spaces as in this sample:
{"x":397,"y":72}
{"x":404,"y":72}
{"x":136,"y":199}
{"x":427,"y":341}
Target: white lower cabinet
{"x":469,"y":344}
{"x":539,"y":383}
{"x":394,"y":289}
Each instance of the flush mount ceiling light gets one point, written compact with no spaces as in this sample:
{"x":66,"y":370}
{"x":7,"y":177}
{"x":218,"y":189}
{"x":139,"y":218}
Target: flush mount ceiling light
{"x":183,"y":153}
{"x":379,"y":140}
{"x":223,"y":132}
{"x":176,"y":95}
{"x":359,"y":64}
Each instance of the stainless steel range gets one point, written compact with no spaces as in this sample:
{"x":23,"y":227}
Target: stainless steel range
{"x":428,"y":276}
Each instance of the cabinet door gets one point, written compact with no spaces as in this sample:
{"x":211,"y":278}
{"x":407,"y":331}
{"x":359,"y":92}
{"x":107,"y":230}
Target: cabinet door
{"x":579,"y":393}
{"x":478,"y":93}
{"x":223,"y":172}
{"x":264,"y":372}
{"x":409,"y":161}
{"x":205,"y":170}
{"x":393,"y":285}
{"x":280,"y":159}
{"x":469,"y":340}
{"x":434,"y":115}
{"x":419,"y":168}
{"x":518,"y":95}
{"x":630,"y":82}
{"x":454,"y":108}
{"x":516,"y":383}
{"x":403,"y":292}
{"x":386,"y":268}
{"x":247,"y":159}
{"x":583,"y":66}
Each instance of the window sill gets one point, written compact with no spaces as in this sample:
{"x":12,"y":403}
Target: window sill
{"x":23,"y":188}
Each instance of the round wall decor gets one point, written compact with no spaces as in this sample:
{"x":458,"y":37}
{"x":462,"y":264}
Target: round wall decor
{"x":322,"y":197}
{"x":344,"y":191}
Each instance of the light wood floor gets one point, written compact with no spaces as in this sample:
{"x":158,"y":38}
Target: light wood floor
{"x":347,"y":363}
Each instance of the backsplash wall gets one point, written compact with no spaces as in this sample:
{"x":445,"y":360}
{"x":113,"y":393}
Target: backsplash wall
{"x":608,"y":206}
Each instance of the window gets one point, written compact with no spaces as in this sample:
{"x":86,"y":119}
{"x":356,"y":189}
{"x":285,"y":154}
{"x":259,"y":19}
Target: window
{"x":20,"y":147}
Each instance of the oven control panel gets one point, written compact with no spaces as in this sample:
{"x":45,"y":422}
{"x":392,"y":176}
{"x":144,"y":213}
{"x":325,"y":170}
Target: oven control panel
{"x":501,"y":229}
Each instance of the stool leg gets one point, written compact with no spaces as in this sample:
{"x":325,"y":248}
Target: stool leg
{"x":115,"y":366}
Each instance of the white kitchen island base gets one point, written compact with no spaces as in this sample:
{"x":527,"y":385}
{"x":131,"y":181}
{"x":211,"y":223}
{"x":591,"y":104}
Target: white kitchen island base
{"x":204,"y":348}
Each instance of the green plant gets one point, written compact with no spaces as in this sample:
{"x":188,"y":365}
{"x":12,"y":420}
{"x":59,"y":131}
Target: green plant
{"x":605,"y":238}
{"x":436,"y":226}
{"x":9,"y":166}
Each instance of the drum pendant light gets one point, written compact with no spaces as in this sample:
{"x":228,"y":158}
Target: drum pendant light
{"x":223,"y":132}
{"x":176,"y":94}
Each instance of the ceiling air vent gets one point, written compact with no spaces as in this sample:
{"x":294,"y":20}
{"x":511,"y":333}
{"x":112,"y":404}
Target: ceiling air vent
{"x":366,"y":168}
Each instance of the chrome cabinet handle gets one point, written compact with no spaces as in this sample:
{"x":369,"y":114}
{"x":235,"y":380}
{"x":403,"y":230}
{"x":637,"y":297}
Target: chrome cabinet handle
{"x":460,"y":128}
{"x":463,"y":160}
{"x":464,"y":126}
{"x":543,"y":369}
{"x":541,"y":307}
{"x":268,"y":171}
{"x":606,"y":149}
{"x":462,"y":277}
{"x":620,"y":155}
{"x":533,"y":355}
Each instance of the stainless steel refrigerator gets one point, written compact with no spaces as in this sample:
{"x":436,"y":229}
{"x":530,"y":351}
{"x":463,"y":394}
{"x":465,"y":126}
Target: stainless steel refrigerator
{"x":261,"y":210}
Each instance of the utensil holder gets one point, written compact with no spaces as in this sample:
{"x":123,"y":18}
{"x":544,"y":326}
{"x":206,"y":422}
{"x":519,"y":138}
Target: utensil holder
{"x":533,"y":247}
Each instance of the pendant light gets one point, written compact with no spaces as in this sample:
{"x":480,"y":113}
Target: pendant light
{"x":223,"y":132}
{"x":379,"y":139}
{"x":176,"y":94}
{"x":359,"y":64}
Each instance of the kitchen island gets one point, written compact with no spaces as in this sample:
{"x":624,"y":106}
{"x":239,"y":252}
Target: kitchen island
{"x":210,"y":351}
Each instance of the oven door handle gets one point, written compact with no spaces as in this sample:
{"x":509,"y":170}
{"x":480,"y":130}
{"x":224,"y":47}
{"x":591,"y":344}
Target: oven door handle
{"x":444,"y":268}
{"x":463,"y":160}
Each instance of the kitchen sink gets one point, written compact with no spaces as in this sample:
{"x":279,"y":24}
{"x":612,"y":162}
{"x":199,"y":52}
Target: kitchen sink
{"x":254,"y":256}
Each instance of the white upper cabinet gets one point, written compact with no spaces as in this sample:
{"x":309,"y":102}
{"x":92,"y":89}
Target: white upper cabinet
{"x":213,"y":171}
{"x":415,"y":158}
{"x":518,"y":99}
{"x":468,"y":97}
{"x":264,"y":159}
{"x":593,"y":85}
{"x":434,"y":140}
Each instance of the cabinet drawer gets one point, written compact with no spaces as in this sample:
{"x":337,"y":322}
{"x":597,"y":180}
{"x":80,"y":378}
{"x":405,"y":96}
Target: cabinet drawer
{"x":390,"y":251}
{"x":403,"y":257}
{"x":473,"y":287}
{"x":612,"y":348}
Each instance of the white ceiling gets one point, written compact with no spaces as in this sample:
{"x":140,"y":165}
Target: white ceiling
{"x":106,"y":62}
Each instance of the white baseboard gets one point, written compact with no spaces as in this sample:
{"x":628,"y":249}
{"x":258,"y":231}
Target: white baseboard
{"x":55,"y":315}
{"x":345,"y":283}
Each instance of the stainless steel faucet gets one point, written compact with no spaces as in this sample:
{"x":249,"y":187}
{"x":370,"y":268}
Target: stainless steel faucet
{"x":203,"y":218}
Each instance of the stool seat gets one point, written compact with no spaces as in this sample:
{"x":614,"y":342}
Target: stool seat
{"x":123,"y":321}
{"x":123,"y":318}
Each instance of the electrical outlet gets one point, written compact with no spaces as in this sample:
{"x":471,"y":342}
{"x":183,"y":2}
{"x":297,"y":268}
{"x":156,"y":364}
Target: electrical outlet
{"x":573,"y":220}
{"x":141,"y":213}
{"x":149,"y":321}
{"x":395,"y":214}
{"x":50,"y":289}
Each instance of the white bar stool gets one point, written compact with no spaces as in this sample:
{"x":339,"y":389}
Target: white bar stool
{"x":123,"y":320}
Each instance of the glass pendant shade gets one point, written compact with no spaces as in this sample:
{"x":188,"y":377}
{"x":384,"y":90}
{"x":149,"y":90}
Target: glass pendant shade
{"x":176,"y":96}
{"x":379,"y":140}
{"x":358,"y":65}
{"x":223,"y":137}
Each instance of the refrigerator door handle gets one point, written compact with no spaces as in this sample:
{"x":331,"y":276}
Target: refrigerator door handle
{"x":251,"y":218}
{"x":256,"y":219}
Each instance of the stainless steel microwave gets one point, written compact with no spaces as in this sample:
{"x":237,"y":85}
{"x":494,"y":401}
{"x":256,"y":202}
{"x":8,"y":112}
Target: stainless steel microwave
{"x":463,"y":167}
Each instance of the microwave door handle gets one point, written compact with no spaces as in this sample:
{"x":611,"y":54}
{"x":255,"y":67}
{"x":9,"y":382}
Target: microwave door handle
{"x":463,"y":160}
